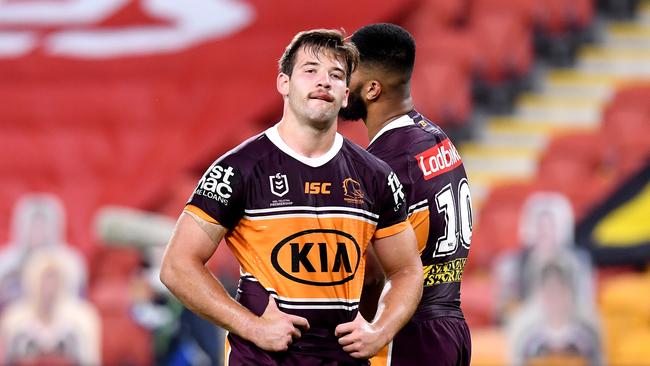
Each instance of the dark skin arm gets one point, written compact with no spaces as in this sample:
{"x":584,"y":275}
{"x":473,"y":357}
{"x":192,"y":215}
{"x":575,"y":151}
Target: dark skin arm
{"x":399,"y":258}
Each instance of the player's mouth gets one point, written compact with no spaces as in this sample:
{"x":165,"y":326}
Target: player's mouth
{"x":321,"y":96}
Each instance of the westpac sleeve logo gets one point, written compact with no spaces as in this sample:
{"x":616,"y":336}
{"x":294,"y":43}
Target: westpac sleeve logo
{"x":317,"y":257}
{"x":438,"y":159}
{"x":217,"y":183}
{"x":279,"y":184}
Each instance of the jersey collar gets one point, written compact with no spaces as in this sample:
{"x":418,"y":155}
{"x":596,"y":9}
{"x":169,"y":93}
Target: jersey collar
{"x":402,"y":121}
{"x":273,"y":135}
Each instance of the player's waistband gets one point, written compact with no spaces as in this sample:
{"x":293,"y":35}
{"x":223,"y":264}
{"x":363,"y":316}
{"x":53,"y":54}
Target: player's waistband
{"x":314,"y":343}
{"x":432,"y":311}
{"x":319,"y":340}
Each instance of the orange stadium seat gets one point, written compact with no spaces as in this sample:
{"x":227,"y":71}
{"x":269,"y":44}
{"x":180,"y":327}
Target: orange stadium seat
{"x":625,"y":305}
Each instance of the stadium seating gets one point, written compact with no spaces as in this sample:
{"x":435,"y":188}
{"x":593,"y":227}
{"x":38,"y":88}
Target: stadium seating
{"x":449,"y":106}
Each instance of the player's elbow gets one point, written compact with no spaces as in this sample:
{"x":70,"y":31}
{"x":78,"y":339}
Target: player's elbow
{"x":168,"y":273}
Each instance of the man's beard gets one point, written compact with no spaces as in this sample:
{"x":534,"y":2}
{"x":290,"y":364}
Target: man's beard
{"x":356,"y":108}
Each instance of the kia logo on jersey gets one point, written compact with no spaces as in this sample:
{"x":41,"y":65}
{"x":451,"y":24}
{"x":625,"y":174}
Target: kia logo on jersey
{"x":317,"y":257}
{"x":438,"y":159}
{"x":279,"y":184}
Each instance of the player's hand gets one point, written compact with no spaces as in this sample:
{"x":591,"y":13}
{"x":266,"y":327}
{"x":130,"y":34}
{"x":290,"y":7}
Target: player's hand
{"x":359,"y":338}
{"x":276,"y":330}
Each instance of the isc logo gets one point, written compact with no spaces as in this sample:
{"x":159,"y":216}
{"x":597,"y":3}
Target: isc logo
{"x":319,"y":257}
{"x":317,"y":188}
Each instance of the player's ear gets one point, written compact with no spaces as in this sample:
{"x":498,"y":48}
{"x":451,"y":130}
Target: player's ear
{"x":345,"y":99}
{"x":372,"y":89}
{"x":282,"y":83}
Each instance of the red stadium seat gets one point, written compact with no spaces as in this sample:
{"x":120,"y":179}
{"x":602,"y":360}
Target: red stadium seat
{"x":355,"y":131}
{"x":114,"y":263}
{"x":123,"y":341}
{"x":505,"y":46}
{"x":521,"y":9}
{"x":441,"y":91}
{"x":477,"y":299}
{"x":579,"y":165}
{"x":629,"y":131}
{"x":563,"y":16}
{"x":429,"y":15}
{"x":632,"y":95}
{"x":457,"y":46}
{"x":497,"y":227}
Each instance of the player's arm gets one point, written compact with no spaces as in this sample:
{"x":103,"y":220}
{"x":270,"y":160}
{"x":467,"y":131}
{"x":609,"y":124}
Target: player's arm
{"x":400,"y":260}
{"x":183,"y":271}
{"x":373,"y":285}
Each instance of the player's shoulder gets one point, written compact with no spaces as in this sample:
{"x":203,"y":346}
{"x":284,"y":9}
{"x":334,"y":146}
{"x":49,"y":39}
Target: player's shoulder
{"x":426,"y":128}
{"x":247,"y":154}
{"x":363,"y":157}
{"x":411,"y":136}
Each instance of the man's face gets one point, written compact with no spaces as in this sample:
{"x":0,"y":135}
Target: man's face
{"x":356,"y":108}
{"x":317,"y":89}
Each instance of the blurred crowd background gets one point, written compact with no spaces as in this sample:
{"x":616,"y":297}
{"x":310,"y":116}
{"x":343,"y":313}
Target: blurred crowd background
{"x":110,"y":110}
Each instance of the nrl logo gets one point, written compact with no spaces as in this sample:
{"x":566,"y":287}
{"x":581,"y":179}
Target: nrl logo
{"x":279,"y":184}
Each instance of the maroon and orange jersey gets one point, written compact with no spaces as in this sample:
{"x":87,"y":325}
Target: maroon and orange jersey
{"x":299,"y":226}
{"x":439,"y":205}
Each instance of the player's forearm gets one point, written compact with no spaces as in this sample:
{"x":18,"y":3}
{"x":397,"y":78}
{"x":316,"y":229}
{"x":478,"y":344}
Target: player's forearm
{"x":192,"y":283}
{"x":373,"y":285}
{"x":399,"y":299}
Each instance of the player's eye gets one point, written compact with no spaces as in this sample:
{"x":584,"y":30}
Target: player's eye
{"x":337,"y":75}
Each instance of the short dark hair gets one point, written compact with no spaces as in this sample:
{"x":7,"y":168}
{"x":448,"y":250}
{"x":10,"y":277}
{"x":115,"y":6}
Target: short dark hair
{"x":317,"y":41}
{"x":387,"y":46}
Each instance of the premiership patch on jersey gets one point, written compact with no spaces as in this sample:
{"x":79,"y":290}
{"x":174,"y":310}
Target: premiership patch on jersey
{"x":439,"y":159}
{"x":279,"y":184}
{"x":217,"y":183}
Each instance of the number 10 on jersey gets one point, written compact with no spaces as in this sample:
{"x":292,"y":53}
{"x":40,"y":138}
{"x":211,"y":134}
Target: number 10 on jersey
{"x":457,"y":208}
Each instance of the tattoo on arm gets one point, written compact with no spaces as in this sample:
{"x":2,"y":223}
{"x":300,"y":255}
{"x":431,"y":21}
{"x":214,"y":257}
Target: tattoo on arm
{"x":209,"y":228}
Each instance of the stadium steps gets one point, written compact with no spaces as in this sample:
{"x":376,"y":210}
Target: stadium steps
{"x":507,"y":148}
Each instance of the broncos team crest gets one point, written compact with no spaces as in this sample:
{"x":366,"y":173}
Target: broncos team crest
{"x":352,"y":191}
{"x":279,"y":184}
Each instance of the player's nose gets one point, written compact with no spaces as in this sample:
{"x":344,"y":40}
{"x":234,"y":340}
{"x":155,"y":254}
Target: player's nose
{"x":324,"y":80}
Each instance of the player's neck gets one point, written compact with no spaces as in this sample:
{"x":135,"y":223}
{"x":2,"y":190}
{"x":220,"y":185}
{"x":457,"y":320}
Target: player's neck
{"x":307,"y":139}
{"x":382,"y":113}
